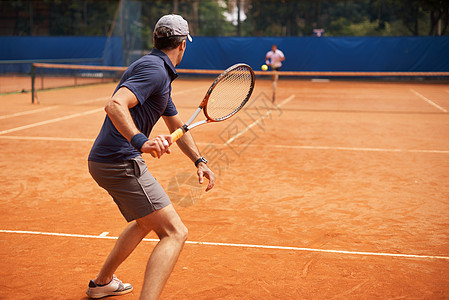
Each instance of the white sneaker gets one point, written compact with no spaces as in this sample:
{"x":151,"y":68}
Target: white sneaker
{"x":114,"y":288}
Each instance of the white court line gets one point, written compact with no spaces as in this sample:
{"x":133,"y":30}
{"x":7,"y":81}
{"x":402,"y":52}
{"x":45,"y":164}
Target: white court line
{"x":257,"y":121}
{"x":45,"y":138}
{"x":428,"y":100}
{"x":28,"y":112}
{"x":356,"y":149}
{"x":104,"y":236}
{"x":51,"y":121}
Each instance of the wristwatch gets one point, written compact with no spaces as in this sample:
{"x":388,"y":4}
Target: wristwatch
{"x":202,"y":159}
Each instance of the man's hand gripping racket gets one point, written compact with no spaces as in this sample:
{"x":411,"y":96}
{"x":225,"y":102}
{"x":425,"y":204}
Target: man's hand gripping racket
{"x":225,"y":97}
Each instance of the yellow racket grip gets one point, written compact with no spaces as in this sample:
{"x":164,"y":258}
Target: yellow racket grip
{"x":177,"y":134}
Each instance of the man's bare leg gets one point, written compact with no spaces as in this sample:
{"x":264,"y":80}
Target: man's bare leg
{"x":125,"y":245}
{"x":172,"y":234}
{"x":275,"y":78}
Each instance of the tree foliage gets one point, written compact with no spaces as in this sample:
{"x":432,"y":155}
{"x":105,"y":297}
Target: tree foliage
{"x":348,"y":18}
{"x":211,"y":17}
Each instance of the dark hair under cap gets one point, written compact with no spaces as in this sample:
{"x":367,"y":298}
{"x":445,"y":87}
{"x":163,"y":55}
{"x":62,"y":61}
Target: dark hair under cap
{"x":164,"y":40}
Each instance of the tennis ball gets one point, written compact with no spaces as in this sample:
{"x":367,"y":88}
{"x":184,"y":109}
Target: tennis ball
{"x":264,"y":67}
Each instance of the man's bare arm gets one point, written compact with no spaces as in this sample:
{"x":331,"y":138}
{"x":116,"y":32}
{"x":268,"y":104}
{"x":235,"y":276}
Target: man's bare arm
{"x":118,"y":111}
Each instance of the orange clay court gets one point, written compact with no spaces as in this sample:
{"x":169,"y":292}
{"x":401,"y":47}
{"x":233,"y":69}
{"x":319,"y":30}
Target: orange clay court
{"x":338,"y":191}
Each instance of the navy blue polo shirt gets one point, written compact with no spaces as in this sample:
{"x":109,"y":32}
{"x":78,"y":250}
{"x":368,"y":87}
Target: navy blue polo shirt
{"x":149,"y":79}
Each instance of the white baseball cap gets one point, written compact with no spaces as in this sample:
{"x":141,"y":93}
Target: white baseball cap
{"x":176,"y":24}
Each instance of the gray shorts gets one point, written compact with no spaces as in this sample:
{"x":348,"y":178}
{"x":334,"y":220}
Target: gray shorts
{"x":135,"y":191}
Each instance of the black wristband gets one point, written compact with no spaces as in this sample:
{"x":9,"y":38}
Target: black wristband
{"x":200,"y":160}
{"x":138,"y":140}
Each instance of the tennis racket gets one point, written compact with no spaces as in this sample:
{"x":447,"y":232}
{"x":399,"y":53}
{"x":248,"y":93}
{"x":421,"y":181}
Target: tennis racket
{"x":226,"y":96}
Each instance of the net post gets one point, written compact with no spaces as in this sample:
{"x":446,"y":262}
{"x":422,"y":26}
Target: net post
{"x":33,"y":81}
{"x":42,"y":78}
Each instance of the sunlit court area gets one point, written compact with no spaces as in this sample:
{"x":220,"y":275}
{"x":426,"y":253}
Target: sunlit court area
{"x":331,"y":181}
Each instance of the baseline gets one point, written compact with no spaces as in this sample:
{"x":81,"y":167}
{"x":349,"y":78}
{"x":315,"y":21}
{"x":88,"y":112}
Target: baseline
{"x":103,"y":235}
{"x":336,"y":148}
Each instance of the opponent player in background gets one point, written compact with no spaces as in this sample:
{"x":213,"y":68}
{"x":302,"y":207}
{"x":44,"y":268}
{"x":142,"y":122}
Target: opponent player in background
{"x":274,"y":59}
{"x":142,"y":96}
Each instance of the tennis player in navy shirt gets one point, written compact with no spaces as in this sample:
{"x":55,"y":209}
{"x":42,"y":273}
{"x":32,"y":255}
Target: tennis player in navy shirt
{"x":141,"y":98}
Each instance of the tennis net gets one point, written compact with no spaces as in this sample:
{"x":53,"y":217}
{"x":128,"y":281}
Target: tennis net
{"x":50,"y":76}
{"x":45,"y":76}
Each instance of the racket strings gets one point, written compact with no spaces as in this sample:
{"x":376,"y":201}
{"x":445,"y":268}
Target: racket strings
{"x":230,"y":94}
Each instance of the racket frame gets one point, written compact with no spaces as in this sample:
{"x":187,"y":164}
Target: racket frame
{"x":203,"y":105}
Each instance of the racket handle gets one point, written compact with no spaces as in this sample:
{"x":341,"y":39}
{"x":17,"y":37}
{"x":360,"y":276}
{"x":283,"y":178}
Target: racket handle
{"x":176,"y":135}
